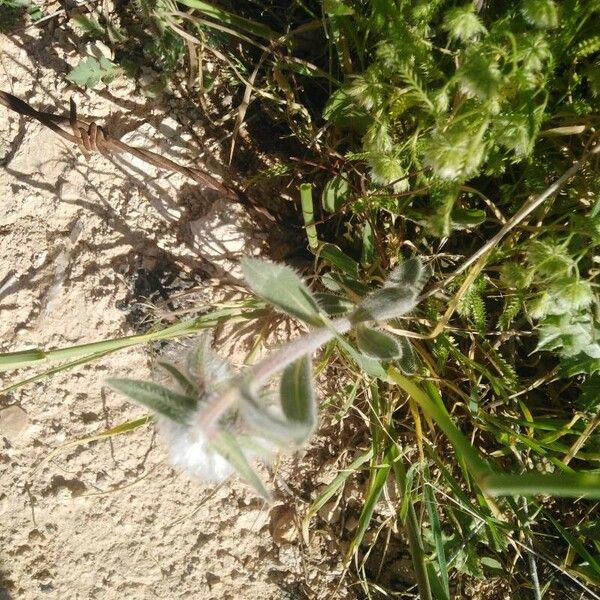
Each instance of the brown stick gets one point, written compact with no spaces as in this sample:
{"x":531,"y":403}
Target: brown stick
{"x":89,"y":137}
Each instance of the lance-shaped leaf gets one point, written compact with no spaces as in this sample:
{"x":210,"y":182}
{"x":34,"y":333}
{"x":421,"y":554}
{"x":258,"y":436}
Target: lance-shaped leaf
{"x":298,"y":399}
{"x":371,"y":366}
{"x":335,"y":194}
{"x":187,"y":386}
{"x":336,"y":257}
{"x":407,"y":361}
{"x":280,"y":286}
{"x":176,"y":407}
{"x":384,"y":304}
{"x":333,"y":304}
{"x":265,"y":422}
{"x":411,"y":274}
{"x":377,"y":344}
{"x":338,"y":282}
{"x":226,"y":444}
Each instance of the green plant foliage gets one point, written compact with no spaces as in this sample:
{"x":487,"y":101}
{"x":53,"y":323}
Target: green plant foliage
{"x":91,"y":71}
{"x":279,"y":285}
{"x":472,"y":304}
{"x":335,"y":193}
{"x":244,"y":423}
{"x":427,"y":126}
{"x":11,"y":11}
{"x":377,"y":344}
{"x":589,"y":399}
{"x":384,"y":304}
{"x":172,"y":405}
{"x":454,"y":91}
{"x":297,"y":394}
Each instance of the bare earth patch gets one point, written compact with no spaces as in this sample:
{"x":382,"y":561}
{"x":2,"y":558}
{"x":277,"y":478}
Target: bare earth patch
{"x":79,"y":242}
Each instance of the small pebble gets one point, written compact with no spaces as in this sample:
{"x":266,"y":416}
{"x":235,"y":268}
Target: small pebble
{"x":13,"y":421}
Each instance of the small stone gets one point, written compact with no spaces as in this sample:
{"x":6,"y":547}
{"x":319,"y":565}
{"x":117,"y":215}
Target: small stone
{"x":39,"y":258}
{"x":68,"y":191}
{"x":283,"y":524}
{"x":13,"y":421}
{"x":331,"y":512}
{"x":351,"y":523}
{"x":35,"y":535}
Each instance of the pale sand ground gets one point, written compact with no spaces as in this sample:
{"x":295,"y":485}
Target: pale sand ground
{"x":109,"y":519}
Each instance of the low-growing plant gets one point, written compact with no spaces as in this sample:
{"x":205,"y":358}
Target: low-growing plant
{"x":217,"y":420}
{"x":429,"y":128}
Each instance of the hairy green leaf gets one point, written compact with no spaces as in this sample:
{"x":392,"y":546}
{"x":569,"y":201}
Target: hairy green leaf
{"x":334,"y":305}
{"x":187,"y":386}
{"x":271,"y":424}
{"x":207,"y":369}
{"x":377,"y":344}
{"x":228,"y":446}
{"x":384,"y":304}
{"x":297,"y":393}
{"x":335,"y":194}
{"x":280,"y":286}
{"x":407,"y":360}
{"x":176,"y":407}
{"x":410,"y":274}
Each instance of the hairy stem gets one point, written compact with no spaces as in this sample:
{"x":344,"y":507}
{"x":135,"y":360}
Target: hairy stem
{"x":274,"y":363}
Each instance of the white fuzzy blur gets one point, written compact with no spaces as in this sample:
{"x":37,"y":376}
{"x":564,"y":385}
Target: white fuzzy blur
{"x":190,"y":451}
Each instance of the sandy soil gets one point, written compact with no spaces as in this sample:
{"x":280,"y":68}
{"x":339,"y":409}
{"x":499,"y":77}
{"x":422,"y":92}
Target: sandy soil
{"x":79,"y":242}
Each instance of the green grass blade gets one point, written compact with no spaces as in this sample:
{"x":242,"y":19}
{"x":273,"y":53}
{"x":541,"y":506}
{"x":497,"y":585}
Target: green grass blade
{"x":437,"y":587}
{"x":48,"y":372}
{"x":339,"y":259}
{"x":480,"y":511}
{"x":308,"y":213}
{"x":413,"y":529}
{"x":378,"y":480}
{"x":124,"y":427}
{"x":332,"y":488}
{"x":571,"y":485}
{"x":475,"y":464}
{"x":227,"y":18}
{"x":107,"y":433}
{"x":22,"y":358}
{"x":592,"y":561}
{"x":27,"y":358}
{"x":436,"y":530}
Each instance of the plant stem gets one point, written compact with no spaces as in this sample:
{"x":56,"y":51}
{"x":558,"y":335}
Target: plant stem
{"x":308,"y":213}
{"x":517,"y":218}
{"x":26,"y":358}
{"x":259,"y":374}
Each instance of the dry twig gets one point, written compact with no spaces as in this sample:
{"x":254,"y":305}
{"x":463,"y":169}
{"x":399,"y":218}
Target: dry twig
{"x":91,"y":137}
